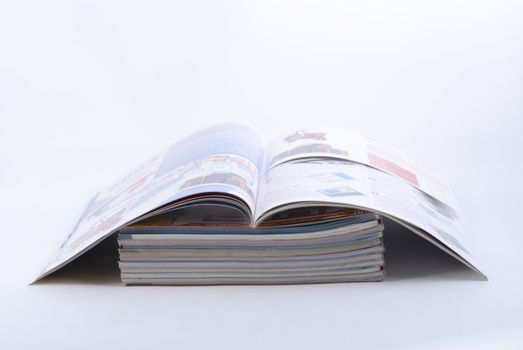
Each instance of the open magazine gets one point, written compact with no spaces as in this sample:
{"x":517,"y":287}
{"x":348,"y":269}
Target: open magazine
{"x":226,"y":176}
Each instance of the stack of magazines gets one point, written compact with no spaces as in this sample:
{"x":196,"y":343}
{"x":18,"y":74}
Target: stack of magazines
{"x":221,"y":206}
{"x":336,"y":250}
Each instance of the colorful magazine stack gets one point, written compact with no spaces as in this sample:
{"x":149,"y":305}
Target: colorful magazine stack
{"x":222,"y":206}
{"x":339,"y":250}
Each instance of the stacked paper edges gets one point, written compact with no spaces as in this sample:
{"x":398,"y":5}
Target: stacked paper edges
{"x":347,"y":250}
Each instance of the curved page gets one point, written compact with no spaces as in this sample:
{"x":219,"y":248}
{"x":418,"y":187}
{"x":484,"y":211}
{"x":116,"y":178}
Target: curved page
{"x":302,"y":183}
{"x":223,"y":159}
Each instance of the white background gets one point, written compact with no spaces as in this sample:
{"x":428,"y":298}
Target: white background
{"x":90,"y":89}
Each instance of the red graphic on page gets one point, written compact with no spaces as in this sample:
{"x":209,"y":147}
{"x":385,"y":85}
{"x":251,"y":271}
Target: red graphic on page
{"x":386,"y":165}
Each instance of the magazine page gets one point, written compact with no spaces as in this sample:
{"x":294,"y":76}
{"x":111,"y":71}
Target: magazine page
{"x":307,"y":178}
{"x":220,"y":163}
{"x":355,"y":147}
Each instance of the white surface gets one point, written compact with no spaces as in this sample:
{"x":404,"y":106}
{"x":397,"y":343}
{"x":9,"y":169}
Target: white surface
{"x":89,"y":89}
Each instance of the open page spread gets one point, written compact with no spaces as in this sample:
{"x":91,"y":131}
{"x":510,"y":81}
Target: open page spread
{"x":224,"y":176}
